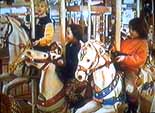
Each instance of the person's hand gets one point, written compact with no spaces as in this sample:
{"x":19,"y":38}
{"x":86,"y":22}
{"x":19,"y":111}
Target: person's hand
{"x":120,"y":58}
{"x":60,"y":62}
{"x":21,"y":45}
{"x":35,"y":42}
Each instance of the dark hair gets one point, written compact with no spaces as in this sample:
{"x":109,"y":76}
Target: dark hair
{"x":77,"y":31}
{"x":139,"y":25}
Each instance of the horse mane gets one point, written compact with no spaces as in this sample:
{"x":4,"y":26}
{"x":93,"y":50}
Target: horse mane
{"x":15,"y":20}
{"x":14,"y":37}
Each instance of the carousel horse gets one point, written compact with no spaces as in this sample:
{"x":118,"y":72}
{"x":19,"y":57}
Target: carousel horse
{"x":107,"y":84}
{"x":147,"y":89}
{"x":14,"y":37}
{"x":51,"y":88}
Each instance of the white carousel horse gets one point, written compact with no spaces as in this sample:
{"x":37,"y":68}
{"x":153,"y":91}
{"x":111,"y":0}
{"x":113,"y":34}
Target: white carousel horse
{"x":94,"y":61}
{"x":50,"y":86}
{"x":13,"y":35}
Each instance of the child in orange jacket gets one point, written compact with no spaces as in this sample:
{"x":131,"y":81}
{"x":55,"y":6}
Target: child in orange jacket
{"x":135,"y":49}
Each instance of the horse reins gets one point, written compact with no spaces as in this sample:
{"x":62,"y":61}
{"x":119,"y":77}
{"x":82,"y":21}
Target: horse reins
{"x":8,"y":32}
{"x":5,"y":39}
{"x":46,"y":61}
{"x":89,"y":71}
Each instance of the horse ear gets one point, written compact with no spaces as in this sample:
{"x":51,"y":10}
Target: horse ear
{"x":82,"y":43}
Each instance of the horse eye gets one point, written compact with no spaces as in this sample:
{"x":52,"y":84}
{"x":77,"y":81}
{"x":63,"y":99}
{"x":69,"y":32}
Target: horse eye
{"x":44,"y":55}
{"x":88,"y":60}
{"x":28,"y":52}
{"x":89,"y":45}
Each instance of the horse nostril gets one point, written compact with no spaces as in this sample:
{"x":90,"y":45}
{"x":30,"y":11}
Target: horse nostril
{"x":54,"y":57}
{"x":29,"y":53}
{"x":79,"y":77}
{"x":27,"y":59}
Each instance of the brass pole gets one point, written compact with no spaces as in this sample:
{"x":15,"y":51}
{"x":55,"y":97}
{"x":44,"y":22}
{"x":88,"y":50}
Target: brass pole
{"x":118,"y":24}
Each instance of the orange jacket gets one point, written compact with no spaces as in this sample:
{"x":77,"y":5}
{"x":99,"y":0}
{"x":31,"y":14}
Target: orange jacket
{"x":137,"y":50}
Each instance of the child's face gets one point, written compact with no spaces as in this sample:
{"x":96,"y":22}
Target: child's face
{"x":41,"y":8}
{"x":69,"y":35}
{"x":133,"y":33}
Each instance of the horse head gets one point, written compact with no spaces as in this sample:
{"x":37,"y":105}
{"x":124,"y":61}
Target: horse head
{"x":39,"y":59}
{"x":5,"y":30}
{"x":12,"y":31}
{"x":92,"y":56}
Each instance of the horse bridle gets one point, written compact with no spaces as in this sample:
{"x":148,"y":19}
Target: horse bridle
{"x":7,"y":33}
{"x":90,"y":70}
{"x":5,"y":39}
{"x":45,"y":61}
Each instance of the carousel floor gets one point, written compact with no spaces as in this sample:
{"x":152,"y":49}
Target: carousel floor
{"x":26,"y":108}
